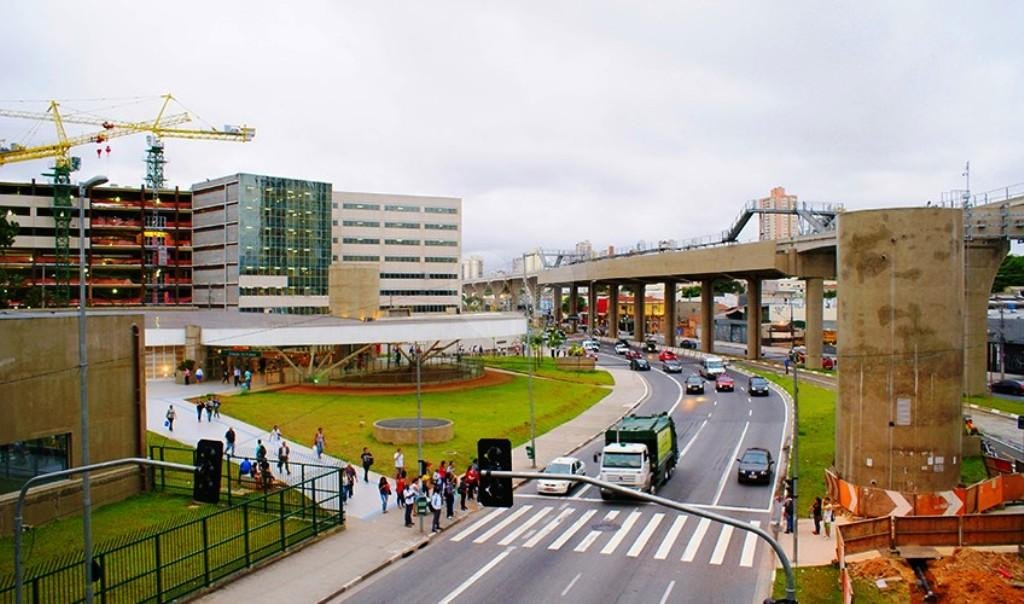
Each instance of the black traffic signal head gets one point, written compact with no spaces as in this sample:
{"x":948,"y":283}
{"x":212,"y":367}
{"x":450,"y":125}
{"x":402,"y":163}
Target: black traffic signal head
{"x":206,"y":483}
{"x":494,"y":454}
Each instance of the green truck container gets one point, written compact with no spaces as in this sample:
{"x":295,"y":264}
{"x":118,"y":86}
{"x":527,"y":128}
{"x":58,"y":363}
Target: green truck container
{"x":623,"y":462}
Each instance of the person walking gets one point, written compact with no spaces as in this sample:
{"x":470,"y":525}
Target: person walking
{"x":400,"y":489}
{"x":275,"y":436}
{"x":224,"y":375}
{"x":216,"y":407}
{"x":350,"y":480}
{"x":188,"y":376}
{"x":170,"y":415}
{"x":815,"y":511}
{"x":248,"y":380}
{"x":828,"y":517}
{"x":449,"y":496}
{"x":200,"y":407}
{"x":367,"y":459}
{"x":436,"y":503}
{"x":318,"y":442}
{"x":209,"y":410}
{"x":261,"y":452}
{"x":237,"y":373}
{"x":283,"y":453}
{"x":229,"y":440}
{"x":787,"y":511}
{"x":463,"y":489}
{"x":385,"y":492}
{"x":409,"y":495}
{"x":399,"y":462}
{"x":199,"y":375}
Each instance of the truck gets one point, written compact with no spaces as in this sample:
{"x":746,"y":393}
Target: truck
{"x":712,"y":367}
{"x":640,"y":452}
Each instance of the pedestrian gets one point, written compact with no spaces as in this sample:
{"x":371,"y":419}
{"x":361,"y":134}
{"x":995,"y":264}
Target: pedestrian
{"x":400,"y":489}
{"x":188,"y":376}
{"x":399,"y":462}
{"x":350,"y":480}
{"x":409,"y":495}
{"x":462,"y":494}
{"x":200,"y":407}
{"x":436,"y":504}
{"x":216,"y":407}
{"x":199,"y":375}
{"x":209,"y":410}
{"x":385,"y":492}
{"x":787,"y":510}
{"x":785,"y":362}
{"x":283,"y":452}
{"x":473,"y":476}
{"x":275,"y":436}
{"x":449,"y":496}
{"x":229,"y":439}
{"x":237,"y":373}
{"x":245,"y":468}
{"x":261,"y":451}
{"x":170,"y":415}
{"x":815,"y":511}
{"x":248,"y":380}
{"x":224,"y":375}
{"x":318,"y":442}
{"x":367,"y":459}
{"x":828,"y":517}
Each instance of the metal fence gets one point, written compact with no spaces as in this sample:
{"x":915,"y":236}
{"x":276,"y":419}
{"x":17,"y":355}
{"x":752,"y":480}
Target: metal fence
{"x":170,"y":561}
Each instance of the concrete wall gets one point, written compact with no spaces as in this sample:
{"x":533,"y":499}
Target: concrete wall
{"x":901,"y":353}
{"x":354,"y":290}
{"x":39,"y":396}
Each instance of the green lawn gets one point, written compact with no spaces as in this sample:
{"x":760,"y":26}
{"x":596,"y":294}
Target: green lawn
{"x":820,"y":584}
{"x":994,"y":402}
{"x":500,"y":411}
{"x":545,"y":368}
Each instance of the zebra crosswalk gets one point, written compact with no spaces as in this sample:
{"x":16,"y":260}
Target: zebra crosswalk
{"x":636,"y":534}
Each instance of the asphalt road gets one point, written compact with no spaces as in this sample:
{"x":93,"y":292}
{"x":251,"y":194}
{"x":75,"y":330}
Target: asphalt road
{"x":580,"y":548}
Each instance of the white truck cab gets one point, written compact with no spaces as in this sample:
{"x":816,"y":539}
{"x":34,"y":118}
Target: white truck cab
{"x":712,"y":367}
{"x":626,"y":464}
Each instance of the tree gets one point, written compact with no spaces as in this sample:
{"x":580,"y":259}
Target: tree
{"x":719,"y":287}
{"x":1011,"y":272}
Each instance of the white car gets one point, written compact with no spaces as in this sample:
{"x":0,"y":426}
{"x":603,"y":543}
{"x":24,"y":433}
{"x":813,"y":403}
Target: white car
{"x":621,"y":348}
{"x":561,"y":465}
{"x":591,"y":345}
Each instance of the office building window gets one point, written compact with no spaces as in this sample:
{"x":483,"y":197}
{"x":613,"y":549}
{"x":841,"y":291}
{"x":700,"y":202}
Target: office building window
{"x":439,"y":259}
{"x":441,"y":243}
{"x":401,"y":258}
{"x":397,"y":208}
{"x":402,"y":225}
{"x":361,"y":240}
{"x":401,"y":241}
{"x":359,"y":258}
{"x":441,"y":227}
{"x":360,"y":223}
{"x":401,"y":275}
{"x":430,"y":210}
{"x":361,"y":206}
{"x":24,"y":459}
{"x":442,"y":276}
{"x":417,"y":292}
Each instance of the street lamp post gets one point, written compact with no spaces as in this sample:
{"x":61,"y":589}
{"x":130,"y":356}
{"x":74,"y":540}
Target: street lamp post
{"x":83,"y":367}
{"x":529,"y":357}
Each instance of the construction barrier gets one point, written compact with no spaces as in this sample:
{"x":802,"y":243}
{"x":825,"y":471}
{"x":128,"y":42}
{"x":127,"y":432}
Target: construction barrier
{"x":872,"y":502}
{"x":864,"y":535}
{"x":925,"y":530}
{"x":957,"y":531}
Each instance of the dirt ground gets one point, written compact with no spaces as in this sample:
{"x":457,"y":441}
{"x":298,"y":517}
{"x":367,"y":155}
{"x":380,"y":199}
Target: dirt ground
{"x":489,"y":378}
{"x":967,"y":577}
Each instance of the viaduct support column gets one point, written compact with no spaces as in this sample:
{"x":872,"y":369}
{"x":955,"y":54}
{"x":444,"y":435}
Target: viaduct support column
{"x":668,"y":327}
{"x":592,"y":308}
{"x":556,"y":303}
{"x":753,"y":318}
{"x":639,"y":298}
{"x":707,"y":315}
{"x":982,"y":260}
{"x":814,"y":298}
{"x":513,"y":296}
{"x":574,"y":296}
{"x":613,"y":310}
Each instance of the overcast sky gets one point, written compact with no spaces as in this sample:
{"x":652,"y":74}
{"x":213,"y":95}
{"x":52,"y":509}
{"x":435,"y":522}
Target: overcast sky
{"x":555,"y":122}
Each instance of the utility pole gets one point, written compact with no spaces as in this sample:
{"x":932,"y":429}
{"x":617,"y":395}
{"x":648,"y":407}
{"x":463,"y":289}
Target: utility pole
{"x":796,"y":458}
{"x":1002,"y":343}
{"x":529,"y":356}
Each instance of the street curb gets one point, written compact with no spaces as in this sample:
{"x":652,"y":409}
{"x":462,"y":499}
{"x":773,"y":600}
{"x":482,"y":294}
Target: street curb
{"x":991,"y":411}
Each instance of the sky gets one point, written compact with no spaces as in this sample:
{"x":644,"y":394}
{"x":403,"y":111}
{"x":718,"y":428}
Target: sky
{"x":554,"y":122}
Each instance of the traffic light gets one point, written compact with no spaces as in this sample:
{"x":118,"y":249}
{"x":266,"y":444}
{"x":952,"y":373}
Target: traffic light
{"x":1020,"y":422}
{"x":206,"y":482}
{"x":529,"y":452}
{"x":494,"y":454}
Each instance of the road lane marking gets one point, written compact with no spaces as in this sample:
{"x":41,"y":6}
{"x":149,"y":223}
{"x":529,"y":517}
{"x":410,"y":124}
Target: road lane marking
{"x":723,"y":544}
{"x":525,"y":526}
{"x":580,"y":493}
{"x":695,"y":539}
{"x":544,"y":532}
{"x":749,"y":544}
{"x":572,"y":530}
{"x":593,"y":535}
{"x":679,"y":398}
{"x":645,"y":536}
{"x":476,"y":577}
{"x":692,"y":440}
{"x":501,"y":525}
{"x":668,"y":590}
{"x":728,"y":470}
{"x":670,"y":538}
{"x":479,"y":523}
{"x":750,"y":413}
{"x":571,"y":583}
{"x":620,"y":534}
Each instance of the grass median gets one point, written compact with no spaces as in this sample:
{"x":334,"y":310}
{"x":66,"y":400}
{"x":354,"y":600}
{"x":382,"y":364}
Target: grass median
{"x":499,"y":411}
{"x":545,"y":367}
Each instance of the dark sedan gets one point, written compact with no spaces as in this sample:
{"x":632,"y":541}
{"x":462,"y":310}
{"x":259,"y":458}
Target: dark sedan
{"x":672,"y":366}
{"x":639,"y":364}
{"x":694,"y":385}
{"x":757,"y":386}
{"x":755,"y":466}
{"x":690,"y":344}
{"x":1015,"y":387}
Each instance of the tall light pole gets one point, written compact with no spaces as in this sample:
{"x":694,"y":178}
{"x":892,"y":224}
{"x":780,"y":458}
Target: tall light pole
{"x":529,"y":357}
{"x":83,"y":385}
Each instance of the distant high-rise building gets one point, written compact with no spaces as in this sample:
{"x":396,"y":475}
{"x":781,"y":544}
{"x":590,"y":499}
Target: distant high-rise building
{"x":584,"y":249}
{"x":472,"y":267}
{"x":778,"y":226}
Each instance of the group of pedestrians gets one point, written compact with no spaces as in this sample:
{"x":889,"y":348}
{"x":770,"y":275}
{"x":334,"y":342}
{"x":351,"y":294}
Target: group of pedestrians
{"x":821,"y":511}
{"x":209,"y":405}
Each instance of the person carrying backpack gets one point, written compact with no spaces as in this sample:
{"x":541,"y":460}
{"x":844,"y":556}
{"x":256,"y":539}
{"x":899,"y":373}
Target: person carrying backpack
{"x":367,"y":459}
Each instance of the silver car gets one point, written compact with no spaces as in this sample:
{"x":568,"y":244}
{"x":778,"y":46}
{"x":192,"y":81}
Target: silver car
{"x":561,"y":465}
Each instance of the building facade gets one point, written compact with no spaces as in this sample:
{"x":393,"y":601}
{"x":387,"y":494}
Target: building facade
{"x":472,"y":268}
{"x":778,"y":226}
{"x":138,"y":248}
{"x":262,"y":244}
{"x":415,"y":240}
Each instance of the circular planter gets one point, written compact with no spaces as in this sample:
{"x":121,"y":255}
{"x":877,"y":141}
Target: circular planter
{"x":402,"y":430}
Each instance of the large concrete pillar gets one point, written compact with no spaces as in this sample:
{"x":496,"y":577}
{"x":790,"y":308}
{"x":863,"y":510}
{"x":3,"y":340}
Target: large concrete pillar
{"x":814,"y":299}
{"x":556,"y":302}
{"x":194,"y":348}
{"x":707,"y":315}
{"x":513,"y":295}
{"x":898,"y":416}
{"x":613,"y":310}
{"x":591,"y":308}
{"x":982,"y":261}
{"x":753,"y":318}
{"x":574,"y":296}
{"x":639,"y":298}
{"x":668,"y":324}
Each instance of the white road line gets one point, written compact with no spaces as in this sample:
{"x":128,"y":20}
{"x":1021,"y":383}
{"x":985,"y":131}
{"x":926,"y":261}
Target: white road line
{"x":593,"y":535}
{"x":695,"y":539}
{"x":749,"y":544}
{"x":750,"y":413}
{"x":479,"y":523}
{"x":544,"y":532}
{"x":572,"y":530}
{"x":679,"y":398}
{"x":620,"y":534}
{"x":723,"y":544}
{"x":670,"y":538}
{"x":668,"y":590}
{"x":501,"y":525}
{"x":571,"y":583}
{"x":728,"y":470}
{"x":645,"y":536}
{"x":476,"y":576}
{"x":580,"y":493}
{"x":692,"y":440}
{"x":525,"y":526}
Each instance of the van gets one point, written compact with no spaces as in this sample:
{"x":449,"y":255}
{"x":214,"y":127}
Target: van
{"x":712,"y":367}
